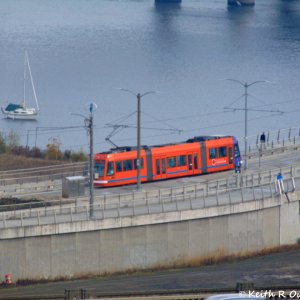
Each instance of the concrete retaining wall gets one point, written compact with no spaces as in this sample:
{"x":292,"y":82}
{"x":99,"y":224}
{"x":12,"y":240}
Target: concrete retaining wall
{"x":290,"y":223}
{"x":123,"y":248}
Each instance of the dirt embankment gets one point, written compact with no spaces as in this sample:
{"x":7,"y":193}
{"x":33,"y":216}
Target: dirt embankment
{"x":14,"y":162}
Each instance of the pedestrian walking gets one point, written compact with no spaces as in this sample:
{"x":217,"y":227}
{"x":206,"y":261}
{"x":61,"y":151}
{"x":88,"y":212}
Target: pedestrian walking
{"x":262,"y":138}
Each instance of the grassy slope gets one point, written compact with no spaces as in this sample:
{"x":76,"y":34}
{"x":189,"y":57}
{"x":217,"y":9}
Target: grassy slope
{"x":13,"y":162}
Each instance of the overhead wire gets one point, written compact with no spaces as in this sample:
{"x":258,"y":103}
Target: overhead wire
{"x":190,"y":130}
{"x":68,"y":129}
{"x":163,"y":122}
{"x":281,"y":102}
{"x":236,"y":100}
{"x":121,"y":119}
{"x":229,"y":123}
{"x":190,"y":116}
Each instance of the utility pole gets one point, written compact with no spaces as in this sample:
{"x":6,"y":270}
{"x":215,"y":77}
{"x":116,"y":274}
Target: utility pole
{"x":90,"y":126}
{"x":246,"y":125}
{"x":138,"y":162}
{"x":91,"y":133}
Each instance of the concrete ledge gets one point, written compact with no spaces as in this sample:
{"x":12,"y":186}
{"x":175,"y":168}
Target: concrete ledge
{"x":241,"y":2}
{"x":141,"y":220}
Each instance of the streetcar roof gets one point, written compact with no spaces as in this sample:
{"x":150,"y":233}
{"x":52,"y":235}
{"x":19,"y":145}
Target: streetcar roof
{"x":195,"y":139}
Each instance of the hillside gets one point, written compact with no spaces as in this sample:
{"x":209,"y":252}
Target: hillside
{"x":14,"y":162}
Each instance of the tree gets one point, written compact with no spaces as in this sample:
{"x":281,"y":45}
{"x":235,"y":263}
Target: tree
{"x":53,"y":150}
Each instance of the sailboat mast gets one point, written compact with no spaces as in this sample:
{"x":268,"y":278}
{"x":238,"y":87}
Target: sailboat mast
{"x":33,"y":88}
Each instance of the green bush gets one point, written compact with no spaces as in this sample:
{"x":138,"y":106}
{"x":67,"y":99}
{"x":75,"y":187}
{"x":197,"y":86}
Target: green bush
{"x":2,"y":143}
{"x":78,"y":156}
{"x":11,"y":145}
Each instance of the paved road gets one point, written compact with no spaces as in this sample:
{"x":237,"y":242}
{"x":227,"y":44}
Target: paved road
{"x":281,"y":269}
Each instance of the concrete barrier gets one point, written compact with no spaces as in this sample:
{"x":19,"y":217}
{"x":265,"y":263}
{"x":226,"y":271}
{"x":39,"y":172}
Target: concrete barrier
{"x":119,"y":244}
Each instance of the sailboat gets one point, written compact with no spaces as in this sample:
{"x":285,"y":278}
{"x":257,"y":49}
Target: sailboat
{"x":21,"y":111}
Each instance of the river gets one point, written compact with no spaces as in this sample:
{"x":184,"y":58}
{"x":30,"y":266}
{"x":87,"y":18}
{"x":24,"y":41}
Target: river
{"x":83,"y":51}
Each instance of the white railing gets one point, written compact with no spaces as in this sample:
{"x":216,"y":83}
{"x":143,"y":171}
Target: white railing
{"x":213,"y":186}
{"x":207,"y":188}
{"x":274,"y":139}
{"x":36,"y":175}
{"x":32,"y":188}
{"x":179,"y":199}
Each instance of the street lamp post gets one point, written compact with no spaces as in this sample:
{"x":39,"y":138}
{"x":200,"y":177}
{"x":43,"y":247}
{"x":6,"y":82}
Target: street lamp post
{"x":138,"y":162}
{"x":246,"y":85}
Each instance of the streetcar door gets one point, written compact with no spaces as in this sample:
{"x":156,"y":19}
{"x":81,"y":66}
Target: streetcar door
{"x":190,"y":162}
{"x":193,"y":163}
{"x":195,"y":157}
{"x":160,"y":166}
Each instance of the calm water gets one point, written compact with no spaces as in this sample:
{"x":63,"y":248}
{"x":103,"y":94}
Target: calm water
{"x":82,"y":51}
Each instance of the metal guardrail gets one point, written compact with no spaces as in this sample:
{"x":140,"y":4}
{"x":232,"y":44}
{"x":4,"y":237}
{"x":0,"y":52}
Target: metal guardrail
{"x":118,"y":207}
{"x":229,"y":182}
{"x":37,"y":175}
{"x":42,"y":179}
{"x":209,"y":187}
{"x":267,"y":150}
{"x":31,"y":188}
{"x":275,"y":139}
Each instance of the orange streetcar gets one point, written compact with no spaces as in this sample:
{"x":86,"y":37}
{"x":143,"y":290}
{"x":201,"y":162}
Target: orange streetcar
{"x":198,"y":155}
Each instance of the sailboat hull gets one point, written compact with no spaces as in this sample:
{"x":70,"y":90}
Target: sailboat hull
{"x":21,"y":114}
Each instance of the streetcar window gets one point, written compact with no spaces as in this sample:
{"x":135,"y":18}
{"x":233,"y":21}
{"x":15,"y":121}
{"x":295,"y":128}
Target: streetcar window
{"x":222,"y":152}
{"x":163,"y":166}
{"x":230,"y":156}
{"x":135,"y":163}
{"x":119,"y":166}
{"x":236,"y":151}
{"x":128,"y":165}
{"x":172,"y":162}
{"x":181,"y":160}
{"x":99,"y":168}
{"x":110,"y":168}
{"x":158,"y":167}
{"x":212,"y":153}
